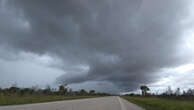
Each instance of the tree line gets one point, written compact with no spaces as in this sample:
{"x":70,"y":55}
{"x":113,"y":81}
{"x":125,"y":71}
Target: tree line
{"x":169,"y":93}
{"x":62,"y":90}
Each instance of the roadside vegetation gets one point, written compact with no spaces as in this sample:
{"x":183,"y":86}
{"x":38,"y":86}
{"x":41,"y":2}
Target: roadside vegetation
{"x":169,"y":100}
{"x":13,"y":100}
{"x":15,"y":95}
{"x":154,"y":103}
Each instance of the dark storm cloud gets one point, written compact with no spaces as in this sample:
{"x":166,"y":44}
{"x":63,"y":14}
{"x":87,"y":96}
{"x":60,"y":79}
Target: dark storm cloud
{"x":123,"y":42}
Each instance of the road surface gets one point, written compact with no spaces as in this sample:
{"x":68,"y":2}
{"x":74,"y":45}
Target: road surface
{"x":105,"y":103}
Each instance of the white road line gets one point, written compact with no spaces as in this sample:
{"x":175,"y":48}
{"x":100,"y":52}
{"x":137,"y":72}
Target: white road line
{"x":121,"y":103}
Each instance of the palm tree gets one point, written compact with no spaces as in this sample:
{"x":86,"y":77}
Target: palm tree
{"x":144,"y":89}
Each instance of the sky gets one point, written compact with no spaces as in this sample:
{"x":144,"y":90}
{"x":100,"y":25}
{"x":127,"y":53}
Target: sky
{"x":107,"y":45}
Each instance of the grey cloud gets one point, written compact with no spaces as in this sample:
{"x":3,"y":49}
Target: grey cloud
{"x":123,"y":42}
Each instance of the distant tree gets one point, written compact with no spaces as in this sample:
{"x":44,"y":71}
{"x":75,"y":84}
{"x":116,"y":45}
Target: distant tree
{"x":62,"y":90}
{"x":177,"y":92}
{"x":83,"y":92}
{"x":28,"y":91}
{"x":13,"y":90}
{"x":47,"y":91}
{"x":144,"y":89}
{"x":92,"y":92}
{"x":190,"y":92}
{"x":169,"y":91}
{"x":184,"y":93}
{"x":131,"y":94}
{"x":22,"y":92}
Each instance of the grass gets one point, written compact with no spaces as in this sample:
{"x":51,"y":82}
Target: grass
{"x":161,"y":104}
{"x":15,"y":100}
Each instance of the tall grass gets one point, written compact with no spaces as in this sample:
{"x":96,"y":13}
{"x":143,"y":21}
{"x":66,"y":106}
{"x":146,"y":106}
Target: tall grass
{"x":14,"y":99}
{"x":150,"y":103}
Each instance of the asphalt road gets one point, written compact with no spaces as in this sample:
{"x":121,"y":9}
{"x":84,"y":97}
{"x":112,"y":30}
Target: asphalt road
{"x":105,"y":103}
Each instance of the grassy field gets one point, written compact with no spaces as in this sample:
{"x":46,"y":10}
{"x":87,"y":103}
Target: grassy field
{"x":161,"y":104}
{"x":14,"y":100}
